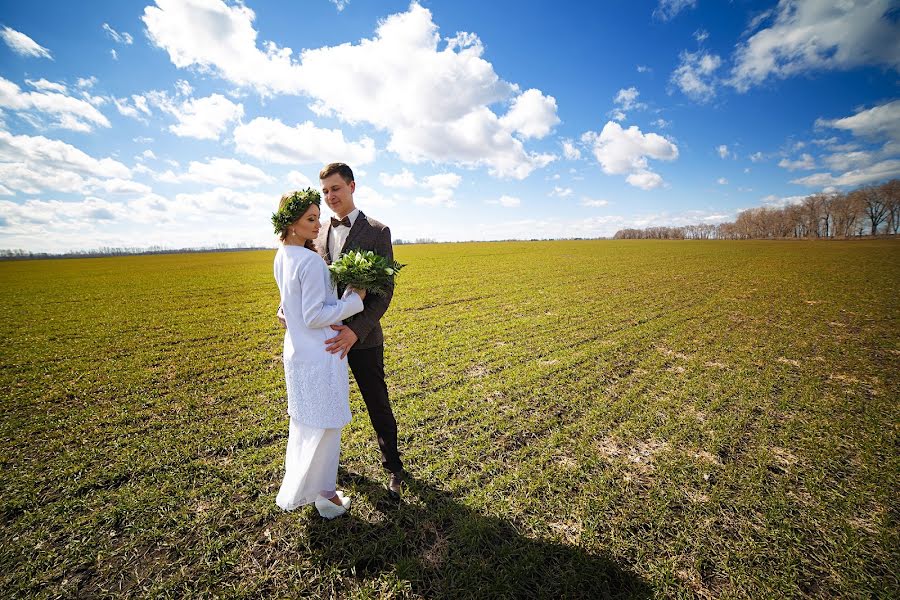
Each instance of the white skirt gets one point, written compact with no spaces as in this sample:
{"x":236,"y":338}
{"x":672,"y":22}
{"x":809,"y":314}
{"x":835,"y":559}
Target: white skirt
{"x":310,"y":464}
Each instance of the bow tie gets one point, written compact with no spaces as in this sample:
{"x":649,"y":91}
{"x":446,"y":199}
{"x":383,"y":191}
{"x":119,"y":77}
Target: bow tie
{"x":338,"y":222}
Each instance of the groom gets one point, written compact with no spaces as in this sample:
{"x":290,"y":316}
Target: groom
{"x":361,"y":340}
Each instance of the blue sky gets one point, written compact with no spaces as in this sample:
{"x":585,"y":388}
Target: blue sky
{"x":180,"y":123}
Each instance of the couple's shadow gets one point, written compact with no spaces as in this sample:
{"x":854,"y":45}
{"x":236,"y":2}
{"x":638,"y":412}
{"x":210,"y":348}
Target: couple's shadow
{"x":444,"y":549}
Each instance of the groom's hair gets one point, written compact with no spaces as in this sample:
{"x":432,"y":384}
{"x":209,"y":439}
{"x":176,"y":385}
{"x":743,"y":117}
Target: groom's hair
{"x":341,"y":169}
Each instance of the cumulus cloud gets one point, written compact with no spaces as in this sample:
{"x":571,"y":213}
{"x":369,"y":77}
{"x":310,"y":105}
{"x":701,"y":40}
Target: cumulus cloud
{"x":340,"y":5}
{"x":298,"y":180}
{"x":432,"y":96}
{"x":594,"y":203}
{"x":756,"y":157}
{"x":723,"y":151}
{"x":570,"y":151}
{"x":626,"y":152}
{"x":32,"y":164}
{"x":667,"y":10}
{"x":23,"y":45}
{"x":200,"y":118}
{"x":226,"y":172}
{"x":722,"y":181}
{"x":626,"y":100}
{"x":67,"y":112}
{"x":695,"y":75}
{"x":561,"y":192}
{"x":532,"y":114}
{"x":811,"y":35}
{"x":442,"y":188}
{"x":806,"y":161}
{"x":404,"y":179}
{"x":272,"y":141}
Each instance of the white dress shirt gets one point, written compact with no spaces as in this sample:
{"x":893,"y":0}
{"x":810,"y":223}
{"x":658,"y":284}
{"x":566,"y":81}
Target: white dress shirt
{"x":338,"y":235}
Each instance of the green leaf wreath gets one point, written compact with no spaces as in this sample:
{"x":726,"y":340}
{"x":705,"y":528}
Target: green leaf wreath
{"x":365,"y":270}
{"x":296,"y":205}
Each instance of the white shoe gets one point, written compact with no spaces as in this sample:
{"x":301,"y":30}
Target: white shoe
{"x":329,"y":509}
{"x":345,"y":502}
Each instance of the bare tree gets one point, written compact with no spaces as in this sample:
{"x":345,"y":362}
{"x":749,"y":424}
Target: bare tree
{"x":891,"y":195}
{"x":875,"y":207}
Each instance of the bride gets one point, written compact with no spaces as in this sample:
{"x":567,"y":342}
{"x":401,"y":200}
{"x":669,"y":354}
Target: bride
{"x":317,"y":381}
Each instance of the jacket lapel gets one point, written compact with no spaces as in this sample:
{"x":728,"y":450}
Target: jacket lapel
{"x":355,"y":231}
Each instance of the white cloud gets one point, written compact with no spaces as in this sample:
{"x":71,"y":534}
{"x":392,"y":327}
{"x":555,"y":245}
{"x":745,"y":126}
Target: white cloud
{"x":625,"y":152}
{"x":365,"y":196}
{"x":723,"y":151}
{"x":433,"y":101}
{"x":695,"y":75}
{"x":722,"y":181}
{"x":561,"y":192}
{"x":442,"y":187}
{"x":86,"y":83}
{"x":31,"y":164}
{"x":806,"y":161}
{"x":570,"y":151}
{"x":114,"y":54}
{"x":646,"y":180}
{"x":47,"y":86}
{"x":661,"y":123}
{"x":881,"y":171}
{"x":701,"y":35}
{"x":298,"y":180}
{"x":271,"y":140}
{"x":183,"y":88}
{"x":507,"y":201}
{"x":813,"y":35}
{"x":669,"y":9}
{"x":119,"y":38}
{"x":23,"y":45}
{"x":404,"y":179}
{"x":340,"y":5}
{"x":69,"y":113}
{"x":200,"y":118}
{"x":532,"y":114}
{"x":626,"y":99}
{"x":644,"y":69}
{"x":881,"y":121}
{"x":226,"y":172}
{"x":756,"y":157}
{"x":148,"y":154}
{"x":592,"y":203}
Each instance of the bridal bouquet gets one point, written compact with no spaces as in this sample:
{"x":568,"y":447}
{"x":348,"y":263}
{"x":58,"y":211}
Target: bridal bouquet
{"x":364,"y":270}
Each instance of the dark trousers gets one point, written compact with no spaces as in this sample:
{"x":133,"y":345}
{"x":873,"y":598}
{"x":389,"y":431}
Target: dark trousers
{"x":368,"y":370}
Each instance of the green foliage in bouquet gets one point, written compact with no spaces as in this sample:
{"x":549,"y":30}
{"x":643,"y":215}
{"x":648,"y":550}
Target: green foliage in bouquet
{"x":365,"y":270}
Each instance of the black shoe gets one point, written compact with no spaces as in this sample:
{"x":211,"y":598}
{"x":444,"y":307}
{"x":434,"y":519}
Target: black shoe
{"x":395,"y":485}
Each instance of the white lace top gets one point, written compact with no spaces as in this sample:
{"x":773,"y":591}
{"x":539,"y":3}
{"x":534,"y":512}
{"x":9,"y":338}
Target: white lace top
{"x":317,"y":382}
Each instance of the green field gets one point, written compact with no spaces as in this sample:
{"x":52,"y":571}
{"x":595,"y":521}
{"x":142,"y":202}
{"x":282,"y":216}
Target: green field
{"x":585,"y":418}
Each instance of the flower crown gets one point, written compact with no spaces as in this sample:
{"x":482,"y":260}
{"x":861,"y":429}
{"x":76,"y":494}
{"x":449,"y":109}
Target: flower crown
{"x":296,"y":205}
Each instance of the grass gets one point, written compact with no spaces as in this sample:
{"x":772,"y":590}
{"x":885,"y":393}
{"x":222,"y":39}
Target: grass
{"x":621,"y":419}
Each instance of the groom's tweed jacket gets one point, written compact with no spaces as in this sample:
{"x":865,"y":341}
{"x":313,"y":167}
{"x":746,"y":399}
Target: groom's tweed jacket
{"x":366,"y":234}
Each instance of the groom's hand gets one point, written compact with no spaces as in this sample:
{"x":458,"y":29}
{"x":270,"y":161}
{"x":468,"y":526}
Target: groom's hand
{"x":280,"y":315}
{"x":342,"y":342}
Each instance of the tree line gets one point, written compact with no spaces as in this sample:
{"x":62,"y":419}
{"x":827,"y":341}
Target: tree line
{"x":868,"y":210}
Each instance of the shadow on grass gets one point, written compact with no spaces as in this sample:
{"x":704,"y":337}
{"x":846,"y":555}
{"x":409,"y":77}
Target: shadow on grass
{"x":442,"y":548}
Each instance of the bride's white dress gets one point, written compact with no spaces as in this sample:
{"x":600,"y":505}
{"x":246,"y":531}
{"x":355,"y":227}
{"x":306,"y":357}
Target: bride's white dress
{"x":318,"y":387}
